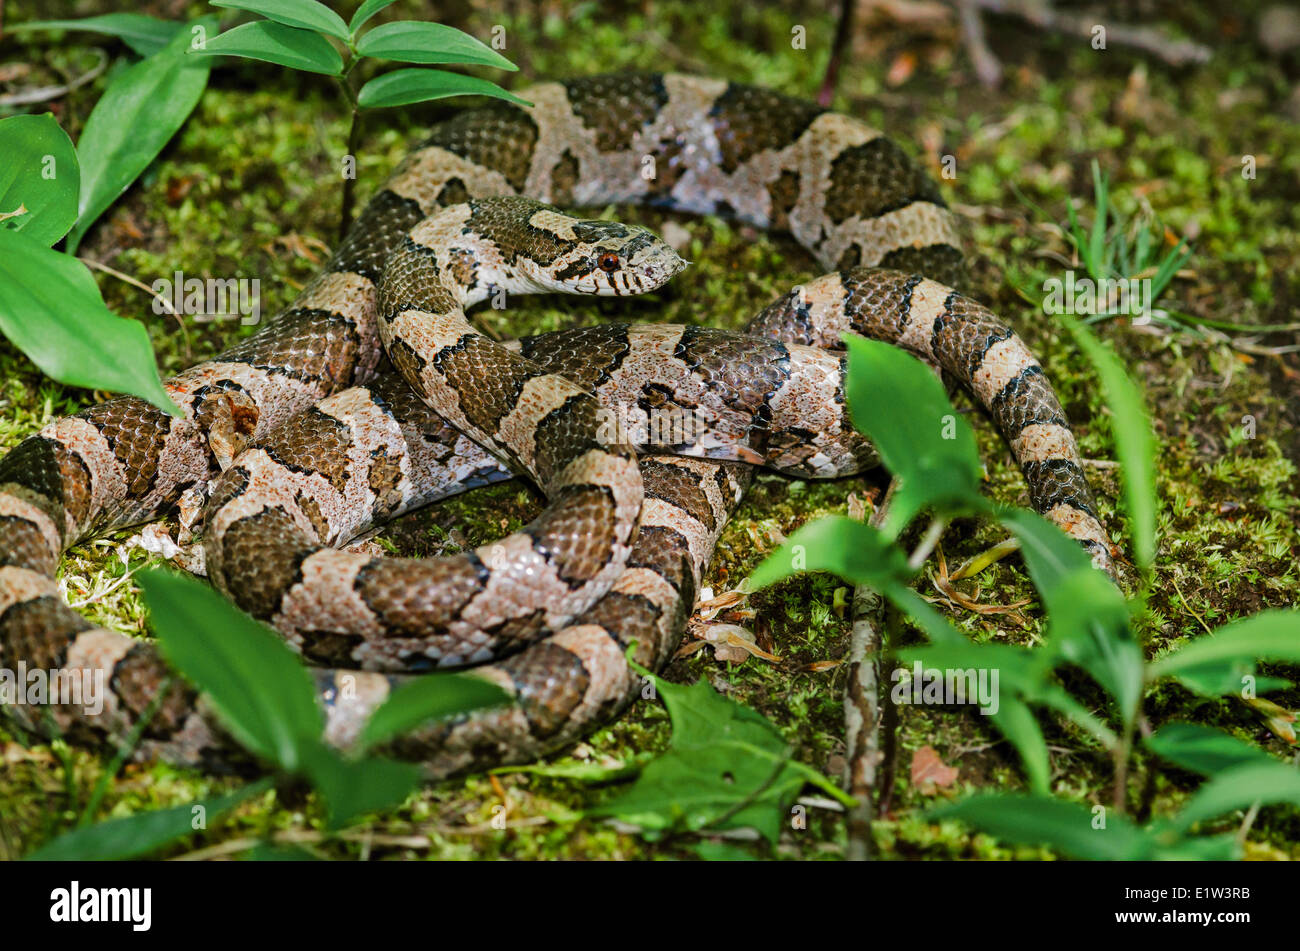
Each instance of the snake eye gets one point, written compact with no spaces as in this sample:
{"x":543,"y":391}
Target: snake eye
{"x":608,"y":262}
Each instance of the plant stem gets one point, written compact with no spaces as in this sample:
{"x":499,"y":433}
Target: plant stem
{"x":843,"y":29}
{"x":862,"y":704}
{"x":933,"y":532}
{"x":1121,"y":754}
{"x":350,"y":181}
{"x":354,"y":136}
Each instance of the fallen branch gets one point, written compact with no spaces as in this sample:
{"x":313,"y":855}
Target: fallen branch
{"x":1041,"y":14}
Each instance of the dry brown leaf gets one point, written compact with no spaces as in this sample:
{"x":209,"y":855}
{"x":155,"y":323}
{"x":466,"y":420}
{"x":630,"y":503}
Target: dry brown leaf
{"x":930,"y":773}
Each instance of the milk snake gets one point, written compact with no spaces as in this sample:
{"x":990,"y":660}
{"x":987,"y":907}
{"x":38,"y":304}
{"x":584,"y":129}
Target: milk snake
{"x":299,"y":438}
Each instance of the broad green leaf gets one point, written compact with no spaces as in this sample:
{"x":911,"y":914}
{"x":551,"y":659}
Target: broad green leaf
{"x":1020,"y":671}
{"x":840,"y":545}
{"x":934,"y":624}
{"x":140,"y":111}
{"x":594,"y":773}
{"x":259,"y":688}
{"x":431,"y":697}
{"x":1135,"y":445}
{"x":39,"y":178}
{"x":353,"y":787}
{"x":409,"y":41}
{"x":1040,"y":820}
{"x":404,"y":86}
{"x":366,"y":11}
{"x":141,"y":834}
{"x":304,"y":14}
{"x":51,"y":308}
{"x":1021,"y":674}
{"x":1050,"y":555}
{"x":727,"y":767}
{"x":1088,"y":617}
{"x":1228,"y":678}
{"x":921,"y":439}
{"x":857,"y":553}
{"x":1231,"y":653}
{"x":276,"y":43}
{"x":1239,"y":788}
{"x":144,"y":34}
{"x":1016,"y":722}
{"x":1203,"y":749}
{"x":1204,"y":848}
{"x":1088,"y":625}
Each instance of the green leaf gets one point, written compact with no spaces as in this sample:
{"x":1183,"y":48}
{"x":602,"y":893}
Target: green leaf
{"x":40,"y":174}
{"x":1097,"y":240}
{"x":928,"y":446}
{"x":140,"y":111}
{"x":1016,"y":722}
{"x":404,"y":86}
{"x":51,"y":308}
{"x":1039,"y":820}
{"x":1088,"y":625}
{"x":1203,"y":749}
{"x":1205,"y":848}
{"x":1239,"y":788}
{"x":1135,"y":445}
{"x":1223,"y":659}
{"x":144,"y":34}
{"x":430,"y":697}
{"x":1088,"y":617}
{"x":353,"y":787}
{"x":594,"y":773}
{"x":1050,"y":555}
{"x":857,"y":553}
{"x":304,"y":14}
{"x":1022,"y":674}
{"x":1225,"y":678}
{"x":408,"y":41}
{"x":140,"y":834}
{"x":727,"y":767}
{"x":366,"y":11}
{"x":840,"y":545}
{"x":276,"y":43}
{"x":258,"y":687}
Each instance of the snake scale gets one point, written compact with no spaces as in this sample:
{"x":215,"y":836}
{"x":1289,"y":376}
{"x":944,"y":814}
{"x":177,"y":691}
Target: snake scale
{"x":372,"y":395}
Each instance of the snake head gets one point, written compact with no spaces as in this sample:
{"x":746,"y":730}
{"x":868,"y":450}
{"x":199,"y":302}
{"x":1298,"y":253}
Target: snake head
{"x":609,"y":259}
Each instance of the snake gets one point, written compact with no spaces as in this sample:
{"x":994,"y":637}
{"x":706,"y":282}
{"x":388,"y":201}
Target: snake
{"x":373,"y":395}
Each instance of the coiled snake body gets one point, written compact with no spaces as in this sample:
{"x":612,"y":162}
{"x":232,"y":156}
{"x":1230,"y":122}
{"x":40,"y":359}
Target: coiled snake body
{"x":298,"y":439}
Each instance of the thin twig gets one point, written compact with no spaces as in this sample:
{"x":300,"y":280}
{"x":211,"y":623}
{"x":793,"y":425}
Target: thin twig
{"x":1040,"y":13}
{"x":933,"y":532}
{"x":987,"y":67}
{"x":843,"y":30}
{"x":30,"y":97}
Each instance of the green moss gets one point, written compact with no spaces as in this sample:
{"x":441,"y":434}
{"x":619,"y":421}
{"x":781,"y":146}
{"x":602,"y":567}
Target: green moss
{"x":258,"y":163}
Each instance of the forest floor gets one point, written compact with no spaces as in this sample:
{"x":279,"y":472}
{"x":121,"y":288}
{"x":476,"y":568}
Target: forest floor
{"x":250,"y":188}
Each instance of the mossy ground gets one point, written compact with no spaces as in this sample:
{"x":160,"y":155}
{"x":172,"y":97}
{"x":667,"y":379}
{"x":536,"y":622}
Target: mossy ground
{"x":250,"y":188}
